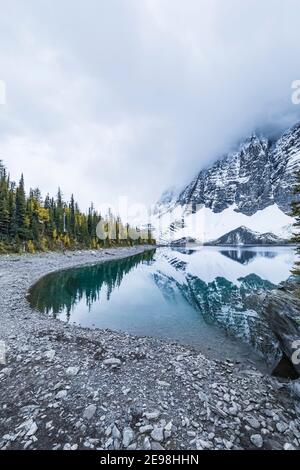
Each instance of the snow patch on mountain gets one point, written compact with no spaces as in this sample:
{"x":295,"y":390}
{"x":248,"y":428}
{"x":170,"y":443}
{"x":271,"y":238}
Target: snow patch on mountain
{"x":206,"y":225}
{"x":252,"y":187}
{"x":245,"y":236}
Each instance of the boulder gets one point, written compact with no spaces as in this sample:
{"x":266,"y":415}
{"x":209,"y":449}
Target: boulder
{"x":282,"y":311}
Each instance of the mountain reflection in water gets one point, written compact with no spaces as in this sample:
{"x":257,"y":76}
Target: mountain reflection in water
{"x":204,"y":297}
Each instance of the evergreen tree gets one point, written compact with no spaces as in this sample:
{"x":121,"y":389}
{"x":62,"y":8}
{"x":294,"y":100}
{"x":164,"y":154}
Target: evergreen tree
{"x":29,"y":223}
{"x":72,"y":216}
{"x":21,"y":222}
{"x":4,"y":202}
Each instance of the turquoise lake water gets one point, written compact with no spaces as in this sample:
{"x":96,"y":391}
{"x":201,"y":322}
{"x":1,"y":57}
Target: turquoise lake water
{"x":204,"y":297}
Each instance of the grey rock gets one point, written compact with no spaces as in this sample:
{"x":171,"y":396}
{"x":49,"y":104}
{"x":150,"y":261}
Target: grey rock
{"x":281,"y":427}
{"x":6,"y":371}
{"x":295,"y":387}
{"x":132,"y":446}
{"x":50,"y":354}
{"x":33,"y":429}
{"x":72,"y":370}
{"x":158,"y":434}
{"x":233,"y":410}
{"x":153,"y":415}
{"x":257,"y":440}
{"x":116,"y":433}
{"x":288,"y":446}
{"x":281,"y":310}
{"x":147,"y":444}
{"x":128,"y":437}
{"x":205,"y":444}
{"x":162,"y":383}
{"x":58,"y":386}
{"x":146,"y":429}
{"x":90,"y":411}
{"x":156,"y":446}
{"x":109,"y":443}
{"x":113,"y":361}
{"x":61,"y":395}
{"x":253,"y":422}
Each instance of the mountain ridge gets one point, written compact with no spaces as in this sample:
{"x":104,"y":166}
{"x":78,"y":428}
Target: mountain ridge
{"x":281,"y":157}
{"x":260,"y":174}
{"x":243,"y":236}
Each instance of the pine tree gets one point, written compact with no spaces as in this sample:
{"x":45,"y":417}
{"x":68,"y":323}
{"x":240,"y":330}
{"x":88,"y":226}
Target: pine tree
{"x":12,"y":211}
{"x":72,"y":216}
{"x":4,"y":202}
{"x":21,"y":210}
{"x":29,"y":223}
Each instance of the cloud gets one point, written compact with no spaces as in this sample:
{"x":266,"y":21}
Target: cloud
{"x":127,"y":97}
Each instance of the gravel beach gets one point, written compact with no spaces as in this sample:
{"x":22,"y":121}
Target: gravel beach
{"x":66,"y":387}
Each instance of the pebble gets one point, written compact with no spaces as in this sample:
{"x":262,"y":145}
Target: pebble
{"x":50,"y":354}
{"x":162,"y":383}
{"x":158,"y":434}
{"x":288,"y":446}
{"x":72,"y":371}
{"x":257,"y":440}
{"x":253,"y":422}
{"x":156,"y":446}
{"x":115,"y":432}
{"x":147,"y":444}
{"x":61,"y":395}
{"x":6,"y":371}
{"x":281,"y":427}
{"x":152,"y":415}
{"x":128,"y":436}
{"x":113,"y":361}
{"x":89,"y":412}
{"x":33,"y":429}
{"x":146,"y":429}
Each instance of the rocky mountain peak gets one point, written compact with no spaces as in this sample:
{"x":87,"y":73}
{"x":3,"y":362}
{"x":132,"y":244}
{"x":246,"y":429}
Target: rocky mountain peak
{"x":244,"y":236}
{"x":260,"y":173}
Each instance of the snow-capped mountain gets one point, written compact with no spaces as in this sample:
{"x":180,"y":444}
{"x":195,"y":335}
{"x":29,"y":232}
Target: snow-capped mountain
{"x":252,"y":187}
{"x":245,"y":236}
{"x":167,"y":201}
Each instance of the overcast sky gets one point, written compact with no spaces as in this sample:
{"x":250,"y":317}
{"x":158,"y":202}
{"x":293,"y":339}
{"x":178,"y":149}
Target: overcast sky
{"x":110,"y":98}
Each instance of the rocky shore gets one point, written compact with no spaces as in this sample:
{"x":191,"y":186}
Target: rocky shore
{"x":65,"y":387}
{"x":281,"y":308}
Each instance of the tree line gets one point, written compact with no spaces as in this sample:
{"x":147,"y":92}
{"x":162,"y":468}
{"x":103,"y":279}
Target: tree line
{"x":30,"y":223}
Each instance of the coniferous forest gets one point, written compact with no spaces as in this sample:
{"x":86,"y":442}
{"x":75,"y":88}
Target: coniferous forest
{"x":29,"y":223}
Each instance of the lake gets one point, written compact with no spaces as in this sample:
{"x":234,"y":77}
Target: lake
{"x":204,"y":297}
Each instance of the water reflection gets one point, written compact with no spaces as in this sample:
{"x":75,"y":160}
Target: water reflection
{"x":245,"y":256}
{"x":62,"y":291}
{"x":201,"y":297}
